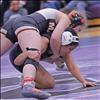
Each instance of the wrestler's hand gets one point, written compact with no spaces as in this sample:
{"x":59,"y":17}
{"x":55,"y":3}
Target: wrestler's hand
{"x":33,"y":55}
{"x":88,"y":84}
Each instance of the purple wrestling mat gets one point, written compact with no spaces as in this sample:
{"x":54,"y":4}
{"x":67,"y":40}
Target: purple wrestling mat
{"x":87,"y":57}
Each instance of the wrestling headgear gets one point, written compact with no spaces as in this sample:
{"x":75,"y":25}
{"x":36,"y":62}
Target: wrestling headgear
{"x":69,"y":37}
{"x":76,"y":20}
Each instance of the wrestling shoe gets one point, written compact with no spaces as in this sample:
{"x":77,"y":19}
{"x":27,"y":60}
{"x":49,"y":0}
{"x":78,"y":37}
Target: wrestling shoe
{"x":30,"y":91}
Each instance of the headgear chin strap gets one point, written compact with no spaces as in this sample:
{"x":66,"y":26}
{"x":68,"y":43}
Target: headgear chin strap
{"x":68,"y":37}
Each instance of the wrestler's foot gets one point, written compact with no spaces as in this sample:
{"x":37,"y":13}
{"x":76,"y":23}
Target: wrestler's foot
{"x":29,"y":91}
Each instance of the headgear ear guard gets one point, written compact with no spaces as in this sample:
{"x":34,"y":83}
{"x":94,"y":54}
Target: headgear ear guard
{"x":69,"y":37}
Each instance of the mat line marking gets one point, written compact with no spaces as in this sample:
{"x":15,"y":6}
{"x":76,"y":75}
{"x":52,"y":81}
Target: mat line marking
{"x":90,"y":95}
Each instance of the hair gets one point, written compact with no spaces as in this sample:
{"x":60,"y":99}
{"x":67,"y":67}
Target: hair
{"x":65,"y":11}
{"x":74,"y":44}
{"x":13,"y":0}
{"x":72,"y":31}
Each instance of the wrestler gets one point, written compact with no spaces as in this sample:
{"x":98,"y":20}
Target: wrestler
{"x":27,"y":31}
{"x":42,"y":78}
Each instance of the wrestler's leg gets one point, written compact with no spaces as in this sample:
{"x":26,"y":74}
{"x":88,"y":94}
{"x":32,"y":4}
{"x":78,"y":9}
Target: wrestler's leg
{"x":5,"y":44}
{"x":29,"y":82}
{"x":30,"y":39}
{"x":43,"y":78}
{"x":40,"y":83}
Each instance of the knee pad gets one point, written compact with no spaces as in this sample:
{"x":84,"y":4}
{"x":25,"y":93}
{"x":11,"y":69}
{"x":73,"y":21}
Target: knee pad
{"x":31,"y":61}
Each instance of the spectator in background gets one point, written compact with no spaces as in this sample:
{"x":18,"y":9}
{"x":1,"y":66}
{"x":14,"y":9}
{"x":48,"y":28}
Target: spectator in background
{"x":78,"y":5}
{"x":4,"y":5}
{"x":56,"y":4}
{"x":15,"y":10}
{"x":81,"y":6}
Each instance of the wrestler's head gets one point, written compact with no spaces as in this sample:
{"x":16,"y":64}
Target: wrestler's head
{"x":69,"y":41}
{"x":76,"y":19}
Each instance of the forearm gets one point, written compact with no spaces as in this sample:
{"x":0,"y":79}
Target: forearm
{"x":55,"y":46}
{"x":55,"y":40}
{"x":74,"y":69}
{"x":76,"y":73}
{"x":20,"y":59}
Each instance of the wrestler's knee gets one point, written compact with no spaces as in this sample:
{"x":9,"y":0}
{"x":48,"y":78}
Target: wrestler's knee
{"x":5,"y":44}
{"x":50,"y":83}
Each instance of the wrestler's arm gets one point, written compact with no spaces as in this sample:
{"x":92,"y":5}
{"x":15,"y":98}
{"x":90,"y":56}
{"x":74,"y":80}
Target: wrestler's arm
{"x":20,"y":58}
{"x":75,"y":70}
{"x":26,"y":54}
{"x":55,"y":40}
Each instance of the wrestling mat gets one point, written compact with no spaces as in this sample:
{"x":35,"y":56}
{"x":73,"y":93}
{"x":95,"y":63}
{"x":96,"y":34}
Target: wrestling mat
{"x":87,"y":57}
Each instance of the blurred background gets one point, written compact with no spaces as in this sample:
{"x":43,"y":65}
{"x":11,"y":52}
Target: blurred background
{"x":90,"y":9}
